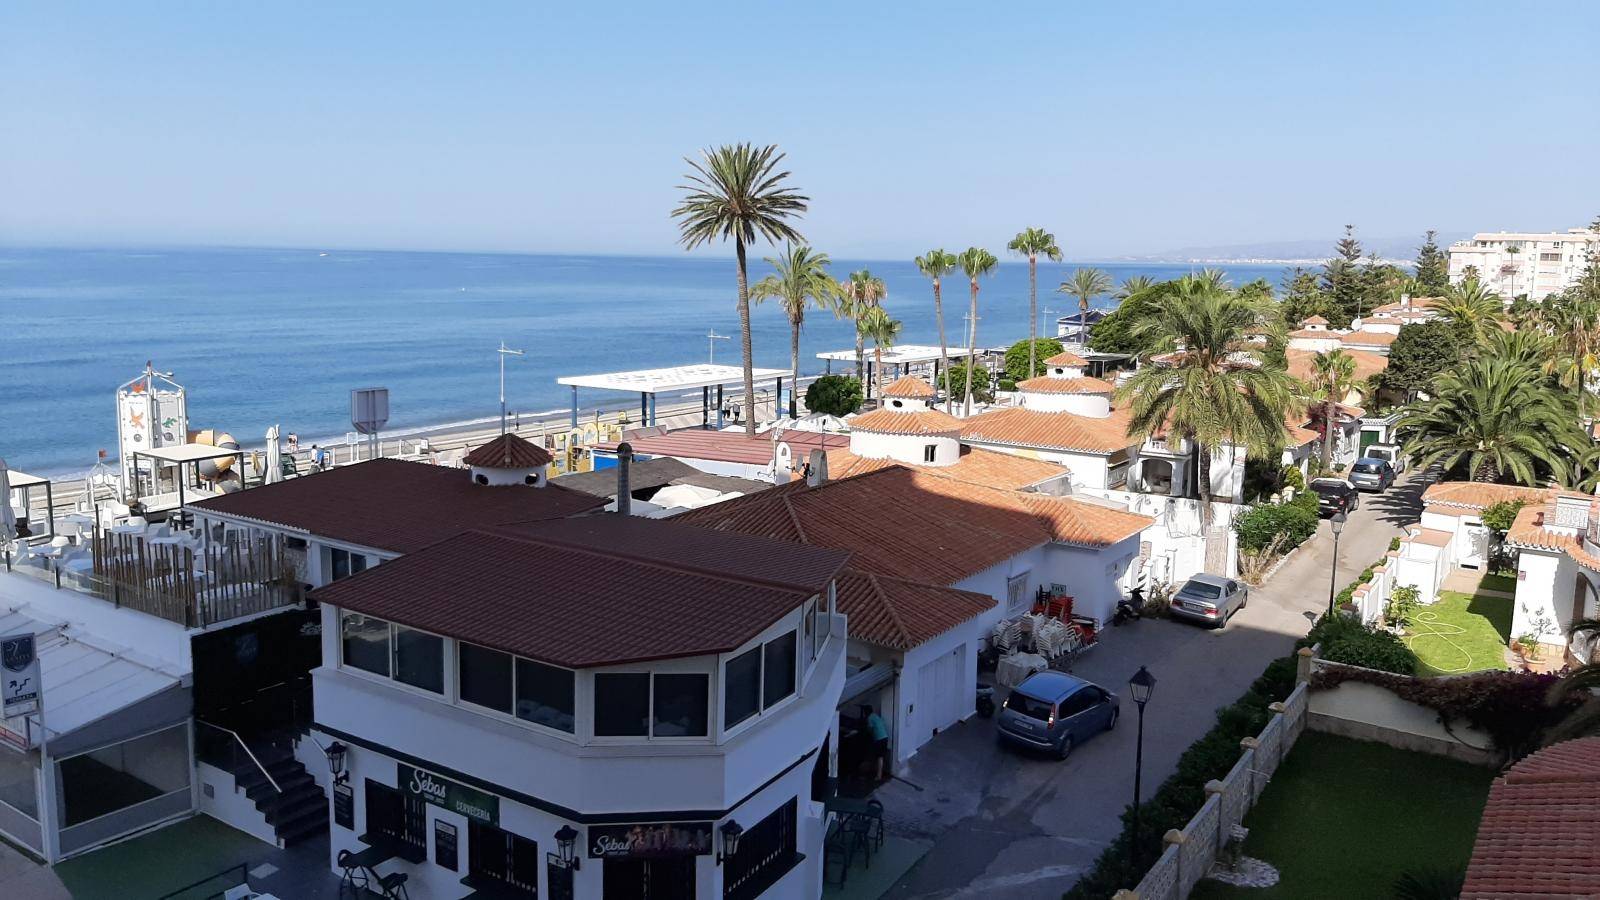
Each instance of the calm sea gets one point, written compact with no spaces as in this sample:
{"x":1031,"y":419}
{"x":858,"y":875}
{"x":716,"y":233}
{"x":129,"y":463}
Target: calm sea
{"x":281,"y":336}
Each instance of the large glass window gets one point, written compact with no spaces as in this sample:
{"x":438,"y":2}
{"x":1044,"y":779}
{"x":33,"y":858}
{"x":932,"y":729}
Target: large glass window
{"x":622,"y":704}
{"x":18,"y":788}
{"x":111,"y":778}
{"x":778,"y":680}
{"x":545,"y":695}
{"x":419,"y":659}
{"x":485,"y":676}
{"x":681,"y":705}
{"x":741,"y":682}
{"x":366,"y":643}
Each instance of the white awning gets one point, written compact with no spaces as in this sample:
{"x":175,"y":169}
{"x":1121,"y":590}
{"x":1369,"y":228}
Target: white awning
{"x":23,"y":479}
{"x":675,"y":378}
{"x":187,"y":453}
{"x":906,"y":353}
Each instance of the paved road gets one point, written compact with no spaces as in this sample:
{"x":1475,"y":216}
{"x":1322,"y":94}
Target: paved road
{"x":1005,"y":822}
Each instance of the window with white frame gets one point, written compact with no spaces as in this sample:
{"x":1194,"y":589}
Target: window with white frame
{"x":393,"y":651}
{"x":1017,"y":599}
{"x":343,"y":564}
{"x":930,"y":452}
{"x":758,"y":679}
{"x":531,"y":691}
{"x":652,"y":704}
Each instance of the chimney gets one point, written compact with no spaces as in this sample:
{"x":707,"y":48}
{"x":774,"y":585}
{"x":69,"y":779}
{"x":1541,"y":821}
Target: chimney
{"x":817,"y":471}
{"x":624,"y":489}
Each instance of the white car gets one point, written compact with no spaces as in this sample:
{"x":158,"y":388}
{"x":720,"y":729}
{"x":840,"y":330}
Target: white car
{"x":1389,"y":453}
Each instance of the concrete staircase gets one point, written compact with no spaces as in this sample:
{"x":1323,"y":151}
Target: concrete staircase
{"x":297,"y":808}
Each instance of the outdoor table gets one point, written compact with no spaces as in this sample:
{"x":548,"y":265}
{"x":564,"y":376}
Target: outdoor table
{"x":846,"y":806}
{"x":1012,"y":670}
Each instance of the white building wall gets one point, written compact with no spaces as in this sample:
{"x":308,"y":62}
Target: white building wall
{"x":1097,"y":406}
{"x":907,"y":448}
{"x":228,"y":803}
{"x":915,"y":720}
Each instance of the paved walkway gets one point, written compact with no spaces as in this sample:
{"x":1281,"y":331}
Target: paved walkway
{"x":20,"y":877}
{"x":1005,"y":823}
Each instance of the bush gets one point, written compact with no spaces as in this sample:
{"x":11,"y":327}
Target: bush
{"x":982,"y":383}
{"x":834,"y":395}
{"x":1017,"y":357}
{"x":1293,"y":478}
{"x":1182,"y":795}
{"x":1007,"y":384}
{"x":1346,"y":640}
{"x":1402,"y":605}
{"x":1283,"y":525}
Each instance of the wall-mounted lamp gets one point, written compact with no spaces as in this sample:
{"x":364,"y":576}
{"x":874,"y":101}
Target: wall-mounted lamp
{"x":730,"y":833}
{"x":336,"y":753}
{"x":567,"y":844}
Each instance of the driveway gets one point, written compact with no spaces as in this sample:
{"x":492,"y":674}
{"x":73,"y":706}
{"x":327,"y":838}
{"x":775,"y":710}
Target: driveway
{"x":1003,"y":821}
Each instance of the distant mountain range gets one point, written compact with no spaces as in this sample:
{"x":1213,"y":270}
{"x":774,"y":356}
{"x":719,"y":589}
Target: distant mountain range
{"x":1399,"y":249}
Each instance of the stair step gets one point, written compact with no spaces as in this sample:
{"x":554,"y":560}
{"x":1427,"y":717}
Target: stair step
{"x":290,"y":806}
{"x":301,"y":828}
{"x":259,"y":789}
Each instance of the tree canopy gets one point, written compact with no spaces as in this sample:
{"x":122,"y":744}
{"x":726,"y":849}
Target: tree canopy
{"x":1018,"y":358}
{"x":834,"y":395}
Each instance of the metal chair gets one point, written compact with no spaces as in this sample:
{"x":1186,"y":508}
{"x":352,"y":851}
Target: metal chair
{"x":354,"y":879}
{"x":393,"y":886}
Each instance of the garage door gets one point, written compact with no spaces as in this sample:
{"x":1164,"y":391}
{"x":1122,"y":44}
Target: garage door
{"x":940,"y":692}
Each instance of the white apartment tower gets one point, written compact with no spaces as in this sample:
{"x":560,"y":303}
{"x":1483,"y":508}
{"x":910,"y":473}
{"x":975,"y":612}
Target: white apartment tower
{"x":1513,"y":263}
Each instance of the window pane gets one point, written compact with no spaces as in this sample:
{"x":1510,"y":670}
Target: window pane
{"x":681,"y":705}
{"x":622,"y":704}
{"x":741,"y":688}
{"x":779,"y":681}
{"x":485,"y":676}
{"x":358,"y":563}
{"x":366,"y":643}
{"x":544,"y":695}
{"x":419,"y":659}
{"x":340,"y":564}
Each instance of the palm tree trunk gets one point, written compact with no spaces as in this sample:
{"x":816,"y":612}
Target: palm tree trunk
{"x":1202,"y":465}
{"x":1486,"y":472}
{"x":744,"y":342}
{"x":794,"y":369}
{"x":1328,"y":412}
{"x":972,"y":347}
{"x":1033,"y":311}
{"x":861,"y":358}
{"x":1083,"y":320}
{"x":944,"y":353}
{"x":877,"y":363}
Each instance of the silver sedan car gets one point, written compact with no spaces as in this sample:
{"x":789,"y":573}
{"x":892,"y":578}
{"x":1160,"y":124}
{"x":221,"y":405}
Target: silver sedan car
{"x":1211,"y":599}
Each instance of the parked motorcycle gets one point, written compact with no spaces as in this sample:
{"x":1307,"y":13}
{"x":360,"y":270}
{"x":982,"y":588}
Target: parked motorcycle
{"x":985,"y":700}
{"x":1129,"y":608}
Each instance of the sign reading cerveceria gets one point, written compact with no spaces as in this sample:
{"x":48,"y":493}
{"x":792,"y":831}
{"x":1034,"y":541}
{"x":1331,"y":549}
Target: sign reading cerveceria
{"x":658,"y":840}
{"x":458,"y":798}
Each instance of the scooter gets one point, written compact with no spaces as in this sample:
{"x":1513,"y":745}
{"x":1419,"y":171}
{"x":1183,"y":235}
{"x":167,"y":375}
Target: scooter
{"x":985,"y":700}
{"x":1129,"y":608}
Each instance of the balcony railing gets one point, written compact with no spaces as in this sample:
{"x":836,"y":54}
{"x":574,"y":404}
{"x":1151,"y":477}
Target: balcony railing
{"x":250,"y":573}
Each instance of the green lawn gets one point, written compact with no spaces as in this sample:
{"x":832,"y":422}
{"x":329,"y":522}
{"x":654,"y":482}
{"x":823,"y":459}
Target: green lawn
{"x":1506,"y":584}
{"x":1461,"y":633}
{"x":1344,"y":818}
{"x":159,"y":862}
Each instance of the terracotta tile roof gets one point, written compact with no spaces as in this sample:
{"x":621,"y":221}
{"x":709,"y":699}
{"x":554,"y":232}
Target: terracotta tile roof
{"x":1308,"y":333}
{"x":668,"y":590}
{"x":389,"y":504}
{"x":1480,"y":495}
{"x":1368,"y":363}
{"x":1046,"y":384}
{"x":1528,"y":532}
{"x":909,"y":386}
{"x":899,"y":614}
{"x":1314,"y":320}
{"x":1433,"y":537}
{"x":1417,"y":303}
{"x":1296,"y":436}
{"x":1539,"y":836}
{"x":977,"y":465}
{"x":898,"y":421}
{"x":1066,"y":358}
{"x":1367,"y":338}
{"x":1020,"y":427}
{"x":917,"y":525}
{"x":725,"y":446}
{"x":508,"y":451}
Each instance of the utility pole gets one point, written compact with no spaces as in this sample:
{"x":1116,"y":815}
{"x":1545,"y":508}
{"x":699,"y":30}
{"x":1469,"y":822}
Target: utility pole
{"x":711,"y":345}
{"x":504,"y":352}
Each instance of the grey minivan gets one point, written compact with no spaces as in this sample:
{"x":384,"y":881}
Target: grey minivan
{"x":1055,"y":711}
{"x":1210,"y":599}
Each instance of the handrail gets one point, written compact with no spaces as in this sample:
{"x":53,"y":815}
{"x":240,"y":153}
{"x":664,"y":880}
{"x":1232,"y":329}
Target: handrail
{"x":243,"y":879}
{"x":248,"y":752}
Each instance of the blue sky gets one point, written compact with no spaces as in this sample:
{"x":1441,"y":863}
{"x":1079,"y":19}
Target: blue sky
{"x":1125,"y":128}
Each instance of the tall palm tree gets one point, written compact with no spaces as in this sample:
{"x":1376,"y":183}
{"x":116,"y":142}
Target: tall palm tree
{"x":1219,"y":389}
{"x":801,"y":280}
{"x":1573,"y":317}
{"x":857,"y":295}
{"x":1031,"y":242}
{"x":1499,"y":419}
{"x":737,"y":191}
{"x":882,"y":329}
{"x":1085,"y":284}
{"x":936,"y":264}
{"x":1474,"y":306}
{"x":976,"y":263}
{"x":1333,"y":374}
{"x":1134,"y":284}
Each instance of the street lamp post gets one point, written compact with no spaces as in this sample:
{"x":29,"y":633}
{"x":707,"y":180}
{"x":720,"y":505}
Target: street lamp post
{"x":1337,"y":522}
{"x":1141,"y":685}
{"x":504,"y":352}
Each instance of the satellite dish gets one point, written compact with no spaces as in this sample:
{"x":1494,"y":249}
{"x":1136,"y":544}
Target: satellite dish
{"x":369,"y":409}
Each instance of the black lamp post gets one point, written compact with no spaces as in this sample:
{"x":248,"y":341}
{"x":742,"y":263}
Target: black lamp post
{"x":1140,"y":686}
{"x":1337,"y":522}
{"x":567,"y":844}
{"x":336,"y":753}
{"x":730,"y":832}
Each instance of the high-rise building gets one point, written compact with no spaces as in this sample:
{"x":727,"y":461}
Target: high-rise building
{"x":1512,"y":263}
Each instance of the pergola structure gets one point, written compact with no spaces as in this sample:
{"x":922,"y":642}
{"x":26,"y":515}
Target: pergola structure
{"x":187,"y":458}
{"x":900,"y":358}
{"x":24,"y":483}
{"x":675,"y":379}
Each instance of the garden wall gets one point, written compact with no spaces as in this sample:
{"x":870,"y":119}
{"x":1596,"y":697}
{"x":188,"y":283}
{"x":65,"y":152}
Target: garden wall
{"x":1191,"y":852}
{"x":1368,"y":712}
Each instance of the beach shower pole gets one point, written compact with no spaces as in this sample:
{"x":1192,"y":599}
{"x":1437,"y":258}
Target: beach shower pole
{"x":504,"y":352}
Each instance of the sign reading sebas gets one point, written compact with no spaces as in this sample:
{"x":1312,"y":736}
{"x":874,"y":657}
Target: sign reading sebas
{"x":458,"y":798}
{"x":663,"y":839}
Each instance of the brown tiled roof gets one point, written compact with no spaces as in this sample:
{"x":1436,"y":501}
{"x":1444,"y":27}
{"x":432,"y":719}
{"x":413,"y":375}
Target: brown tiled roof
{"x":977,"y":465}
{"x":1297,"y":436}
{"x":1416,"y":304}
{"x":1528,"y":533}
{"x":1433,"y":537}
{"x":389,"y":504}
{"x":899,"y":614}
{"x":1314,"y":320}
{"x":899,"y":421}
{"x":1368,"y":363}
{"x":1049,"y":384}
{"x":1308,"y":333}
{"x":1539,"y":836}
{"x":1019,"y":427}
{"x":616,"y":591}
{"x":1367,"y":338}
{"x":1481,"y":495}
{"x":918,"y":525}
{"x":1066,"y":358}
{"x":909,"y":386}
{"x":726,"y":446}
{"x":508,"y":451}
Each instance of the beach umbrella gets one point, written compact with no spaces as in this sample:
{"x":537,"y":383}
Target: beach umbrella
{"x":8,"y":519}
{"x":274,"y":471}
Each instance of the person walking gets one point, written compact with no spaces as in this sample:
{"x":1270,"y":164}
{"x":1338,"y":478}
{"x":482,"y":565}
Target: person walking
{"x":880,"y":741}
